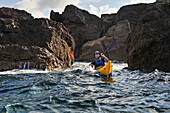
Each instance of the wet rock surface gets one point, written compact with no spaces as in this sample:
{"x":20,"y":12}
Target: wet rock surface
{"x":34,"y":43}
{"x":148,"y":45}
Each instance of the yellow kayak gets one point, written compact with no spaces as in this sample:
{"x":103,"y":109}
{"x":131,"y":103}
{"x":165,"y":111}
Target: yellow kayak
{"x":106,"y":70}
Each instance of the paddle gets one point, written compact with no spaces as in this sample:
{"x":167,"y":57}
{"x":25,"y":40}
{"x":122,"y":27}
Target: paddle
{"x":111,"y":46}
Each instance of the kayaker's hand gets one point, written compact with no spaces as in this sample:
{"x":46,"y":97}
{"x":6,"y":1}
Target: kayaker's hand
{"x":102,"y":55}
{"x":106,"y":59}
{"x":91,"y":65}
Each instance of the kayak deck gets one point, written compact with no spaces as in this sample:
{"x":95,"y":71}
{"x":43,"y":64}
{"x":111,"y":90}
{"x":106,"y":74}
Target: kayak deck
{"x":107,"y":69}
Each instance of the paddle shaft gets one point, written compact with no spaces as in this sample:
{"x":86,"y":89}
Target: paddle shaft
{"x":111,"y":46}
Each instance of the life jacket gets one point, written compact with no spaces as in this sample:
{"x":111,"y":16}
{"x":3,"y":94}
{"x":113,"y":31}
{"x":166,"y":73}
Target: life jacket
{"x":99,"y":62}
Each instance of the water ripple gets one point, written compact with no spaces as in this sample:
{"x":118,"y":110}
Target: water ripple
{"x":80,"y":89}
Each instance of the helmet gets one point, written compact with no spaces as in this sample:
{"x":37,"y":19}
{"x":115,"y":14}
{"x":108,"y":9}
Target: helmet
{"x":96,"y":52}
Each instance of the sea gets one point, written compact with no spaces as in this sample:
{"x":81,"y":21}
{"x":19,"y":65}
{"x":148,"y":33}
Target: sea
{"x":80,"y":89}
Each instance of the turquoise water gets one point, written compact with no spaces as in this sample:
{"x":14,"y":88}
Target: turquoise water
{"x":80,"y":90}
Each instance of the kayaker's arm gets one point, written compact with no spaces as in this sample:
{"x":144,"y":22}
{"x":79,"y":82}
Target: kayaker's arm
{"x":105,"y":58}
{"x":92,"y":64}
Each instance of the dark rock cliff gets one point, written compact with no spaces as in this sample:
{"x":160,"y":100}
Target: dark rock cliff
{"x":85,"y":27}
{"x":82,"y":25}
{"x":141,"y":30}
{"x":148,"y":45}
{"x":118,"y":32}
{"x":33,"y":43}
{"x":15,"y":14}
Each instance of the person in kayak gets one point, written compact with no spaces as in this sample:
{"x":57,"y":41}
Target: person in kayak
{"x":99,"y":60}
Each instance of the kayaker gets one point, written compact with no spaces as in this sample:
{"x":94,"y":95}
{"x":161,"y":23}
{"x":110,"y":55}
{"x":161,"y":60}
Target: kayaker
{"x":99,"y":60}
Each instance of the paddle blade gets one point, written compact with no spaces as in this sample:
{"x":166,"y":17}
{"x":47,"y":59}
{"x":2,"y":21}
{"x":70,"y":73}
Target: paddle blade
{"x":112,"y":45}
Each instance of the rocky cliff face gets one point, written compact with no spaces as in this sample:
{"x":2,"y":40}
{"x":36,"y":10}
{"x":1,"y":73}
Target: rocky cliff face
{"x":82,"y":25}
{"x":148,"y":45}
{"x":132,"y":13}
{"x":163,"y":1}
{"x":118,"y":32}
{"x":141,"y":30}
{"x":88,"y":29}
{"x":14,"y":14}
{"x":33,"y":43}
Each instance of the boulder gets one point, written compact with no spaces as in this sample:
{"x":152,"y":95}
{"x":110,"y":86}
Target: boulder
{"x":95,"y":45}
{"x":34,"y":43}
{"x":118,"y":32}
{"x":148,"y":45}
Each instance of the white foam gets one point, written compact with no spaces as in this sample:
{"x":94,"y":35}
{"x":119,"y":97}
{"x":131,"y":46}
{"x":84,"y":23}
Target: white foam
{"x":22,"y":71}
{"x":77,"y":65}
{"x":119,"y":66}
{"x":85,"y":66}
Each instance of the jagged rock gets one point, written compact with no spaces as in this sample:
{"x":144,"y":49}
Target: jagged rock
{"x":86,"y":27}
{"x":148,"y":45}
{"x":109,"y":18}
{"x":132,"y":13}
{"x":34,"y":43}
{"x":163,"y":1}
{"x":82,"y":25}
{"x":14,"y":14}
{"x":119,"y":32}
{"x":55,"y":16}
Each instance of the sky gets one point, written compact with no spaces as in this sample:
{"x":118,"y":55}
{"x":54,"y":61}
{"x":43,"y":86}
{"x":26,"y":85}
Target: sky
{"x":42,"y":8}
